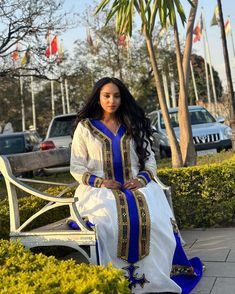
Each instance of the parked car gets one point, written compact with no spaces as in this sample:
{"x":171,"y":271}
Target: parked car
{"x":59,"y":135}
{"x":19,"y":142}
{"x":210,"y":135}
{"x":59,"y":132}
{"x":156,"y":144}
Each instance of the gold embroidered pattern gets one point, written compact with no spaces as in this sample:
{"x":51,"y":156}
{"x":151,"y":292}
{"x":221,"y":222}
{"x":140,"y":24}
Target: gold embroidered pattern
{"x":142,"y":179}
{"x":85,"y":178}
{"x":144,"y":224}
{"x":123,"y":224}
{"x":97,"y":182}
{"x":150,"y":173}
{"x":178,"y":269}
{"x":142,"y":175}
{"x":107,"y":148}
{"x":126,"y":160}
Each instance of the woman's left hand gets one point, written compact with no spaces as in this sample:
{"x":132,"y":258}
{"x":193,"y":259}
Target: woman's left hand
{"x":132,"y":184}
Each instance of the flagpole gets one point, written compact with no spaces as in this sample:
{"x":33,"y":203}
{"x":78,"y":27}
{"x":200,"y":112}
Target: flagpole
{"x":67,"y":95}
{"x":206,"y":69}
{"x":231,"y":34}
{"x":52,"y":99}
{"x":22,"y":103}
{"x":209,"y":55}
{"x":194,"y":82}
{"x":33,"y":103}
{"x":62,"y":95}
{"x":52,"y":83}
{"x":165,"y":86}
{"x":173,"y":96}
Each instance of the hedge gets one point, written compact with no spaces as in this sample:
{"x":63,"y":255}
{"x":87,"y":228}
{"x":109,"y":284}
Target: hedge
{"x":203,"y":196}
{"x":24,"y":272}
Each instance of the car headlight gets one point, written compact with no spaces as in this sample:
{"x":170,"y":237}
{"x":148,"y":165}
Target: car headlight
{"x":228,"y":133}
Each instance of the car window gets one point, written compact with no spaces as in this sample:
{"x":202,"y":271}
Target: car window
{"x":12,"y":145}
{"x":174,"y":120}
{"x":197,"y":116}
{"x":201,"y":116}
{"x":62,"y":126}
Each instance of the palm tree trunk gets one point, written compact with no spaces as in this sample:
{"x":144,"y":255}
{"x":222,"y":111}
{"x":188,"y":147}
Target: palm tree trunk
{"x":188,"y":44}
{"x":186,"y":138}
{"x":228,"y":74}
{"x":175,"y":149}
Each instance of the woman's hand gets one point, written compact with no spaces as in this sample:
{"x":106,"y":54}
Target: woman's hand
{"x":111,"y":184}
{"x":132,"y":184}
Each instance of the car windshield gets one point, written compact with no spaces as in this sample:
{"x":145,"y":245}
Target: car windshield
{"x":197,"y":116}
{"x":62,"y":126}
{"x":11,"y":145}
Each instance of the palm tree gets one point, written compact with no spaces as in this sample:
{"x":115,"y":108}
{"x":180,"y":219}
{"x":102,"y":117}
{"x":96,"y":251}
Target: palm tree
{"x":148,"y":9}
{"x":228,"y":73}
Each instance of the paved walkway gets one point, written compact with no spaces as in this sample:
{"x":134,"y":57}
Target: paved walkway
{"x":216,"y":248}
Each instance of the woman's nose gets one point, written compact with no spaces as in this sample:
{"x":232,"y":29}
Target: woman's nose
{"x":111,"y":99}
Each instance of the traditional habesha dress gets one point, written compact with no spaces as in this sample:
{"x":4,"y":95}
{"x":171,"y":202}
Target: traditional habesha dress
{"x":134,"y":228}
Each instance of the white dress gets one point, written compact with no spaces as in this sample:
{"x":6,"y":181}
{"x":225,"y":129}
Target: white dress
{"x":141,"y":242}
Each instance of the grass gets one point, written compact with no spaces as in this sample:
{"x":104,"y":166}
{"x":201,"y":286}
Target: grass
{"x":201,"y":160}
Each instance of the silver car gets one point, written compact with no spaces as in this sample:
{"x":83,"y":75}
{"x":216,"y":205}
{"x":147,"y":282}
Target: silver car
{"x":59,"y":135}
{"x":210,"y":135}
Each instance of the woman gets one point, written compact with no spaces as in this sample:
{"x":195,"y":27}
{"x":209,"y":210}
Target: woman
{"x":114,"y":164}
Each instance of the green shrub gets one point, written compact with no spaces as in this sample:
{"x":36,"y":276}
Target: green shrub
{"x":203,"y":196}
{"x":28,"y":205}
{"x":21,"y":271}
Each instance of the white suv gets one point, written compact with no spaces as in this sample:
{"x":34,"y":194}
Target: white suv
{"x":59,"y":135}
{"x":210,"y":135}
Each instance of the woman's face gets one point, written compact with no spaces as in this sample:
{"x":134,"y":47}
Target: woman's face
{"x":110,"y":98}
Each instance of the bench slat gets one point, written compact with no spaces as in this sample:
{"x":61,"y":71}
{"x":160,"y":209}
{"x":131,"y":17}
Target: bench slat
{"x":38,"y":159}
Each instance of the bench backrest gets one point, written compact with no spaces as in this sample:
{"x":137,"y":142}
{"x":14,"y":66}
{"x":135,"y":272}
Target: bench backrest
{"x":24,"y":162}
{"x":13,"y":165}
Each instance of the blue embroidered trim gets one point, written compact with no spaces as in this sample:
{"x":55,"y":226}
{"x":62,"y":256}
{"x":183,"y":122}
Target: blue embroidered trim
{"x":144,"y":175}
{"x":91,"y":180}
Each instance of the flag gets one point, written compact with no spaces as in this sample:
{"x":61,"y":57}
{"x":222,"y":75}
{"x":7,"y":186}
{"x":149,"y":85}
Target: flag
{"x":215,"y":17}
{"x":227,"y":26}
{"x":54,"y":45}
{"x":53,"y":48}
{"x":198,"y":31}
{"x":15,"y":54}
{"x":60,"y":53}
{"x":26,"y":58}
{"x":122,"y":40}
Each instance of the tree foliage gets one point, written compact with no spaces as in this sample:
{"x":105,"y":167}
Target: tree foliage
{"x":24,"y":25}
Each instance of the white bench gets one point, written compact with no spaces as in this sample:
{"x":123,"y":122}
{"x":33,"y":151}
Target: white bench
{"x":57,"y":233}
{"x":54,"y":234}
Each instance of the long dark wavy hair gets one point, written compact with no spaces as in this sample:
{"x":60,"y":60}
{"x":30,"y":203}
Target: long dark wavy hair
{"x":129,"y":114}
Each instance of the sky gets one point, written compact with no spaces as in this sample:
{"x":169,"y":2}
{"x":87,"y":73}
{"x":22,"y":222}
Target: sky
{"x":213,"y":32}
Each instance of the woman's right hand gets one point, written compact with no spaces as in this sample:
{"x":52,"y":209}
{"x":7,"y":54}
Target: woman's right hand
{"x":111,"y":184}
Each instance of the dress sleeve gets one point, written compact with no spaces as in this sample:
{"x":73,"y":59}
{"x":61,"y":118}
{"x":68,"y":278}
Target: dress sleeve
{"x":79,"y":159}
{"x":149,"y":172}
